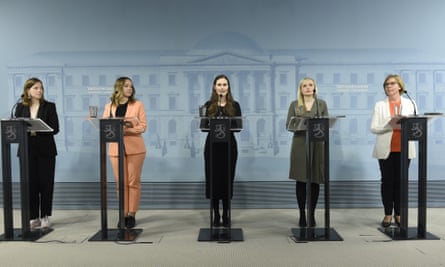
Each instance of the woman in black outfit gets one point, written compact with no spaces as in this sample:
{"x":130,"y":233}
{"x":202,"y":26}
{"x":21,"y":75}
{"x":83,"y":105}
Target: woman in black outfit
{"x":221,"y":104}
{"x":42,"y":152}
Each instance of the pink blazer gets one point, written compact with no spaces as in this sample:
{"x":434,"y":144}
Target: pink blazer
{"x":133,"y":140}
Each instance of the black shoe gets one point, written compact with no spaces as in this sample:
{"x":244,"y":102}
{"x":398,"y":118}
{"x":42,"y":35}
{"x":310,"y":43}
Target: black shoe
{"x":397,"y":220}
{"x":125,"y":222}
{"x":217,"y":221}
{"x":302,"y":222}
{"x":225,"y":220}
{"x":386,"y":224}
{"x":130,"y":222}
{"x":313,"y":223}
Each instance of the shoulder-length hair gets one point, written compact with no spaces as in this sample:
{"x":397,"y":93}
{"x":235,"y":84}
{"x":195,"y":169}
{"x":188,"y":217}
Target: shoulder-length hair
{"x":300,"y":98}
{"x":118,"y":92}
{"x":26,"y":99}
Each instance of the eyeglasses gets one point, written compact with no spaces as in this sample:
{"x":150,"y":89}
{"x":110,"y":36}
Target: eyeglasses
{"x":390,"y":83}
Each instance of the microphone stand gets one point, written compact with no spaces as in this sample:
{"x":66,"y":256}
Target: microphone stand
{"x":219,"y":105}
{"x":412,"y":102}
{"x":12,"y":116}
{"x":316,"y":103}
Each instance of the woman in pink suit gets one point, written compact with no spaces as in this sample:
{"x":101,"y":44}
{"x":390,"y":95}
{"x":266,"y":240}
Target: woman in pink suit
{"x":123,"y":104}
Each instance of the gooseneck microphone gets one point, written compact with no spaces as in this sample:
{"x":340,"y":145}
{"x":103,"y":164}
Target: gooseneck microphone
{"x":316,"y":103}
{"x":15,"y":105}
{"x":220,"y":96}
{"x":412,"y":102}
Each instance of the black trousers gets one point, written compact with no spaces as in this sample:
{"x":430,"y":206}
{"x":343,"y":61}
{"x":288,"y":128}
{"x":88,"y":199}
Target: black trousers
{"x":41,"y":185}
{"x":390,"y":183}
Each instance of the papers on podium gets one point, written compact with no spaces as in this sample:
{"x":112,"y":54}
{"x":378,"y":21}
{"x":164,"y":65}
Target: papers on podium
{"x":36,"y":125}
{"x":298,"y":123}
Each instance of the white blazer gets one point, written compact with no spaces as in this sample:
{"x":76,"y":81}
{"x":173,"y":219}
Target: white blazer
{"x":380,"y":126}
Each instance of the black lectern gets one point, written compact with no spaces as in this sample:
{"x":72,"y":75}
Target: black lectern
{"x":220,"y":132}
{"x":16,"y":131}
{"x":317,"y":130}
{"x":412,"y":129}
{"x":111,"y":130}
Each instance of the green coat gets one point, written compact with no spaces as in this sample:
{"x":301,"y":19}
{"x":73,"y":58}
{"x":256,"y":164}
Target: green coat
{"x":297,"y":169}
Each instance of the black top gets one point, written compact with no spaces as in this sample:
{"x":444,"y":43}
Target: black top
{"x":121,"y":110}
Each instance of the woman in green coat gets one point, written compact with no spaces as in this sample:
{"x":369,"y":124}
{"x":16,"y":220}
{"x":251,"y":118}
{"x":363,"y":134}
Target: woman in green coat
{"x":307,"y":105}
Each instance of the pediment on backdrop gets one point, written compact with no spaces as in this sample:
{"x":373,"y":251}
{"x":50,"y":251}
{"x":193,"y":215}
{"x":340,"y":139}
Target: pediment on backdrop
{"x":226,"y":58}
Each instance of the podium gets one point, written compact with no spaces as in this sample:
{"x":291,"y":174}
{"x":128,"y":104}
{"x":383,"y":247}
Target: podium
{"x":317,"y":130}
{"x":111,"y":130}
{"x":413,"y":128}
{"x":220,"y":132}
{"x":15,"y":131}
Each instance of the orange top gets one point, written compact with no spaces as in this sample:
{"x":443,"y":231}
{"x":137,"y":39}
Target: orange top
{"x":396,"y":140}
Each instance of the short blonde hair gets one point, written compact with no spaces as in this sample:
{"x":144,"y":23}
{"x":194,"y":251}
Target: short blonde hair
{"x":399,"y":81}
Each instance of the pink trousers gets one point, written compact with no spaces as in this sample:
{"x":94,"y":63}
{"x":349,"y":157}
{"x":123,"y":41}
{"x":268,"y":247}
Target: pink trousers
{"x":132,"y":180}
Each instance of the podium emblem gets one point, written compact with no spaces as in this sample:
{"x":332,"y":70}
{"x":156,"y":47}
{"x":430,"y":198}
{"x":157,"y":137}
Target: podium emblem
{"x":10,"y":133}
{"x":109,"y":131}
{"x":416,"y":130}
{"x":318,"y":131}
{"x":220,"y":131}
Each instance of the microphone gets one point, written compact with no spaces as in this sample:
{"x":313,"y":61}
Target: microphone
{"x":220,"y":96}
{"x":15,"y":105}
{"x":110,"y":116}
{"x":412,"y":102}
{"x":316,"y":103}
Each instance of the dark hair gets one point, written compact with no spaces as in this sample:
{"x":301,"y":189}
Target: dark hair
{"x":213,"y":106}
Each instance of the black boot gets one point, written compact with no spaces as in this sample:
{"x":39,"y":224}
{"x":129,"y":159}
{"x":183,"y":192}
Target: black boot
{"x":313,"y":223}
{"x":216,"y":220}
{"x":315,"y":191}
{"x":216,"y":216}
{"x":302,"y":222}
{"x":300,"y":190}
{"x":225,"y":215}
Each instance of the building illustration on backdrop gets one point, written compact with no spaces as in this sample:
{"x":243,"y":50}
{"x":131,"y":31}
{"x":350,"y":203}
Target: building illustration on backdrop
{"x":172,"y":85}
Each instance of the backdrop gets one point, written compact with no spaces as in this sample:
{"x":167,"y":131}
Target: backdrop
{"x":172,"y":49}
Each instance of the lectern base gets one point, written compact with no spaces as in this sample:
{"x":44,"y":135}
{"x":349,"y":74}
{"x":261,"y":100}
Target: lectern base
{"x":315,"y":234}
{"x":396,"y":234}
{"x":221,"y":235}
{"x":30,"y":236}
{"x":116,"y":235}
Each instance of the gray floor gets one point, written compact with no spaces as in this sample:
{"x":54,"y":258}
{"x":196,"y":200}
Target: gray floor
{"x":169,"y":238}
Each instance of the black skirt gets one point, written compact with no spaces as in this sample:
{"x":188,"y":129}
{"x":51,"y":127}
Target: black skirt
{"x":220,"y":168}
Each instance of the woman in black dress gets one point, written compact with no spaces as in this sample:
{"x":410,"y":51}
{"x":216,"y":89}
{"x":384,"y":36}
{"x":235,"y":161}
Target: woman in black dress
{"x":221,"y":104}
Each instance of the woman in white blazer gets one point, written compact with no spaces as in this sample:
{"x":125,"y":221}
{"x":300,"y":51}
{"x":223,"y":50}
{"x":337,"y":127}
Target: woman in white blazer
{"x":388,"y":143}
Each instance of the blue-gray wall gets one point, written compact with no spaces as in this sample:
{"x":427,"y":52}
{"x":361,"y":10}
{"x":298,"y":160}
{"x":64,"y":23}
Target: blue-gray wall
{"x":172,"y":49}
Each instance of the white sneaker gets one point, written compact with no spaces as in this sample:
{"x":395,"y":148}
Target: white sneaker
{"x":45,"y":223}
{"x":35,"y":224}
